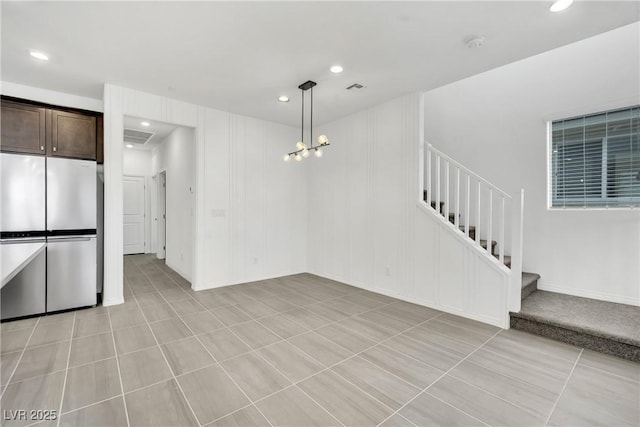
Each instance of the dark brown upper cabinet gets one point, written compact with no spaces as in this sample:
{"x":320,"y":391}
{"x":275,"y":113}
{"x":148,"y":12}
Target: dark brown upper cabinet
{"x":72,"y":135}
{"x":100,"y":142}
{"x":23,"y":128}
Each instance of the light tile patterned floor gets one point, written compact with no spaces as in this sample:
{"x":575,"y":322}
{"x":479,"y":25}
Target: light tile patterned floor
{"x":296,"y":351}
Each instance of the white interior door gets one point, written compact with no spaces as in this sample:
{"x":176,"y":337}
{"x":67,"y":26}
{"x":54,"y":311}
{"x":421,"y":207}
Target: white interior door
{"x":134,"y":214}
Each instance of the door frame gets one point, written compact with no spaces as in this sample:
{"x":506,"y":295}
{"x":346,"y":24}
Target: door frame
{"x":161,"y":212}
{"x":145,"y":237}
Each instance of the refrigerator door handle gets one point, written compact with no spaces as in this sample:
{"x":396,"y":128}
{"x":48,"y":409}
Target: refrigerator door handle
{"x":70,"y":239}
{"x":22,"y":240}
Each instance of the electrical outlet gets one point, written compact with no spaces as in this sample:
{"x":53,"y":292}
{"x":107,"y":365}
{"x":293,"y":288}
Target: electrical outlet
{"x":255,"y":261}
{"x":387,"y":271}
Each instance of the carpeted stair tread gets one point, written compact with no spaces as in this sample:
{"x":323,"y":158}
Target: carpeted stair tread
{"x":483,"y":243}
{"x":555,"y":314}
{"x":507,"y":259}
{"x":529,"y":284}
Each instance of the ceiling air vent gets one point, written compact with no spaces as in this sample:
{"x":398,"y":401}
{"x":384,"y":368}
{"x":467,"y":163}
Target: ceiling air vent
{"x":355,"y":86}
{"x":136,"y":136}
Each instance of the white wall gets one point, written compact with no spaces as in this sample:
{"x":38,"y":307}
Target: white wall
{"x":367,"y":227}
{"x":176,"y":155}
{"x":136,"y":162}
{"x":495,"y":124}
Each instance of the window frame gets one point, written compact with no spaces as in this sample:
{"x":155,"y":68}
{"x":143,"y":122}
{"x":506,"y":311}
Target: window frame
{"x":600,"y":203}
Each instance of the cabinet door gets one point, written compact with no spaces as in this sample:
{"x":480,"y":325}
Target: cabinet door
{"x":72,"y":135}
{"x":100,"y":141}
{"x":23,"y":128}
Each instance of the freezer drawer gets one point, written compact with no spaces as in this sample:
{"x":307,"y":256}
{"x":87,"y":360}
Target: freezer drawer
{"x":71,"y":194}
{"x":22,"y":192}
{"x":24,"y":295}
{"x":71,"y":272}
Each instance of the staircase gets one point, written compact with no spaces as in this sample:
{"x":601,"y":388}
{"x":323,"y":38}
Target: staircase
{"x":472,"y":232}
{"x":476,"y":211}
{"x":483,"y":216}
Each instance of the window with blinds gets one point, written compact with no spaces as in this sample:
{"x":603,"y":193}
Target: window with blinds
{"x":595,"y":160}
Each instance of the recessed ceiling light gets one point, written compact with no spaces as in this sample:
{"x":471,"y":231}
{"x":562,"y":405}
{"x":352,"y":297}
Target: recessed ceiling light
{"x":145,"y":124}
{"x":39,"y":55}
{"x":129,"y":146}
{"x":474,"y":42}
{"x":560,"y":5}
{"x":336,"y":69}
{"x":283,"y":98}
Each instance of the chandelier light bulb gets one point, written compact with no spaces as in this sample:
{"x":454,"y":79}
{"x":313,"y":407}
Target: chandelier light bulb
{"x":323,"y":140}
{"x":318,"y":152}
{"x":305,"y":153}
{"x":286,"y":157}
{"x":298,"y":157}
{"x":560,"y":5}
{"x":300,"y":145}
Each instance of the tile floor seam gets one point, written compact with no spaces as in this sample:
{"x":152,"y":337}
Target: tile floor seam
{"x":43,"y":345}
{"x":16,"y":329}
{"x":440,"y":377}
{"x":184,"y":396}
{"x":454,"y":407}
{"x":24,"y":348}
{"x":564,"y":387}
{"x":444,"y":336}
{"x":66,"y":373}
{"x":115,"y":352}
{"x":545,"y":353}
{"x":318,"y":403}
{"x":92,"y":404}
{"x":221,"y":367}
{"x":529,"y":411}
{"x":57,"y":371}
{"x":542,"y":368}
{"x":510,"y":377}
{"x":634,"y":381}
{"x":407,"y":420}
{"x":209,"y":365}
{"x":92,"y":335}
{"x":94,"y":361}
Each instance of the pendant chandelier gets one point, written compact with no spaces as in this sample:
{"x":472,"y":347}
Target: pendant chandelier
{"x":303,"y":150}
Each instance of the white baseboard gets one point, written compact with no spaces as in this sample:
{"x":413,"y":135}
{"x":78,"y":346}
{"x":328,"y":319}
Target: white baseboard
{"x":603,"y":296}
{"x":500,"y":323}
{"x":232,"y":283}
{"x":113,"y":301}
{"x":177,"y":270}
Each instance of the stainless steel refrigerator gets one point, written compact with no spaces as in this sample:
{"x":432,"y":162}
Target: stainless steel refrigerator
{"x":54,"y":199}
{"x":22,"y":221}
{"x":71,"y":233}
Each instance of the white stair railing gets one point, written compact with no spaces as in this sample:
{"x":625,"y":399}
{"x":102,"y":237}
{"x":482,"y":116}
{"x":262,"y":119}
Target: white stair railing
{"x":481,"y":204}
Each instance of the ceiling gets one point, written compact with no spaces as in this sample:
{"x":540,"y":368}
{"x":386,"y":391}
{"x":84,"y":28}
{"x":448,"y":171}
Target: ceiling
{"x":240,"y":56}
{"x":159,"y":130}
